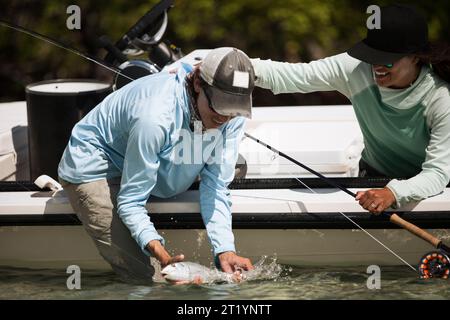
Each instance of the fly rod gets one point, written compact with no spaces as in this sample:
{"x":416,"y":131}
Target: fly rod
{"x":393,"y":217}
{"x":64,"y":46}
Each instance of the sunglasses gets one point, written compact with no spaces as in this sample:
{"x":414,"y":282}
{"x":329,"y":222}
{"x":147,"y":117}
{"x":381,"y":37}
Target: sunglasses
{"x":389,"y":65}
{"x":209,"y":100}
{"x":210,"y":103}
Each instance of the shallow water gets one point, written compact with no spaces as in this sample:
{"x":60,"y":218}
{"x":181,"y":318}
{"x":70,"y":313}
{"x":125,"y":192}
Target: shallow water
{"x":290,"y":283}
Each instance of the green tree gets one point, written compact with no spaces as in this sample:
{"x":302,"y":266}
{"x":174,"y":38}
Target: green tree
{"x":290,"y":30}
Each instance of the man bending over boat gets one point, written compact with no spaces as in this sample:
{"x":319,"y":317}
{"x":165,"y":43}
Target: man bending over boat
{"x":154,"y":137}
{"x":398,"y":84}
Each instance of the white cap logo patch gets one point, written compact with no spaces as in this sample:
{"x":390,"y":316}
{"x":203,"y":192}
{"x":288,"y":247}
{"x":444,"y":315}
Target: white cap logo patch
{"x":241,"y":79}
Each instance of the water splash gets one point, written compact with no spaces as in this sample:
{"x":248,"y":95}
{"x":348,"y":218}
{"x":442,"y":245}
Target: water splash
{"x":157,"y":276}
{"x":442,"y":234}
{"x":265,"y":269}
{"x":194,"y":273}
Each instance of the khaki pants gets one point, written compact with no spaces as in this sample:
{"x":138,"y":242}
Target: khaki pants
{"x":96,"y":206}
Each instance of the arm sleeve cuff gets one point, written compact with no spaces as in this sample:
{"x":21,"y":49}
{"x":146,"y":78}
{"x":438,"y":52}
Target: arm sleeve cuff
{"x":224,"y":248}
{"x":395,"y":186}
{"x":146,"y":237}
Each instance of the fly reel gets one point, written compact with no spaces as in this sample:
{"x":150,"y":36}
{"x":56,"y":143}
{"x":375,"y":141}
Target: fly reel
{"x":434,"y":264}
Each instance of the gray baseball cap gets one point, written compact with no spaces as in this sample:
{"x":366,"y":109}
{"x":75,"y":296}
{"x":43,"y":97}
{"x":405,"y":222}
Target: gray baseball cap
{"x":230,"y":80}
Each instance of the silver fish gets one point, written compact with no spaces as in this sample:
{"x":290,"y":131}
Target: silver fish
{"x":191,"y":271}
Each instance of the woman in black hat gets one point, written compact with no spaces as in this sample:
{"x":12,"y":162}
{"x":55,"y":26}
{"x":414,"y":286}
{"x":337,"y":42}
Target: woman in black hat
{"x":398,"y":84}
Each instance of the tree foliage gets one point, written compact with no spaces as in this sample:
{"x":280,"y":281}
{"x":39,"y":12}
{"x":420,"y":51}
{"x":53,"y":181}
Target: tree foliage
{"x":290,"y":30}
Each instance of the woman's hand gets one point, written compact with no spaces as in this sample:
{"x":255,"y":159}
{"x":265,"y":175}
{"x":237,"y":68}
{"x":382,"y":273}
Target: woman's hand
{"x":376,"y":200}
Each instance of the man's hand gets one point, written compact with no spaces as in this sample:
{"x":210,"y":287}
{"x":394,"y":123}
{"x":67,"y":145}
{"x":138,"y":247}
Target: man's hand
{"x":230,"y":262}
{"x":159,"y":252}
{"x":376,"y":200}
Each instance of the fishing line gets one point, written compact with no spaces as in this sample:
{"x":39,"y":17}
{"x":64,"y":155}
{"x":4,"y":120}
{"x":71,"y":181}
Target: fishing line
{"x":365,"y":231}
{"x":333,"y":184}
{"x":61,"y":45}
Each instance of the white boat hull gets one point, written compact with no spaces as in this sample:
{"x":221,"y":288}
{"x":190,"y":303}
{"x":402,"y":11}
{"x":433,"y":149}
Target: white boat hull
{"x":61,"y":246}
{"x":294,"y":225}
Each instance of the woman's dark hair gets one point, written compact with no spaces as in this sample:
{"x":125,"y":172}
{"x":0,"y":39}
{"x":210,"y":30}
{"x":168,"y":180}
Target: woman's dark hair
{"x":438,"y":56}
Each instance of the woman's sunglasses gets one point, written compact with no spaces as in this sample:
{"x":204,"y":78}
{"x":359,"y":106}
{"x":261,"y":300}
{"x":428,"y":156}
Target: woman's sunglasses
{"x":389,"y":65}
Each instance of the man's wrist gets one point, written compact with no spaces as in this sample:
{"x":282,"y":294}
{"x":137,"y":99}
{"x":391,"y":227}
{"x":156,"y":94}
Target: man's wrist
{"x":226,"y":253}
{"x":158,"y":251}
{"x":153,"y":243}
{"x":224,"y":248}
{"x":217,"y":259}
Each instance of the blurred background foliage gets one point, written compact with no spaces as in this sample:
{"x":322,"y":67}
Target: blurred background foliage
{"x":289,"y":30}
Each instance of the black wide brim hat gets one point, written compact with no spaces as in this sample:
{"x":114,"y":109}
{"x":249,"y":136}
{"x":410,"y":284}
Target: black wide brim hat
{"x":403,"y":31}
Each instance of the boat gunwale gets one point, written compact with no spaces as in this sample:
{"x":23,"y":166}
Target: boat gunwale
{"x":261,"y":220}
{"x":248,"y":183}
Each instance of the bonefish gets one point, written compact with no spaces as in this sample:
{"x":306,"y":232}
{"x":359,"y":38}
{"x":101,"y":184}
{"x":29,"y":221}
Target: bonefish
{"x":191,"y":272}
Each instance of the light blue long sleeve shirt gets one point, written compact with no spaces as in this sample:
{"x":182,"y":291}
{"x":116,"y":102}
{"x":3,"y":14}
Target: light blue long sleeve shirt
{"x":141,"y":133}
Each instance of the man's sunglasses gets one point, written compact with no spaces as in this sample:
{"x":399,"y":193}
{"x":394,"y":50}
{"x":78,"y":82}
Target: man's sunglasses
{"x":210,"y":103}
{"x":209,"y":100}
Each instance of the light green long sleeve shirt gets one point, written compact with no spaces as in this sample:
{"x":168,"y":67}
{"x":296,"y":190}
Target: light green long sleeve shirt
{"x":406,"y":131}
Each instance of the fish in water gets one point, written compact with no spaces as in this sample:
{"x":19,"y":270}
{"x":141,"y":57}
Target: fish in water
{"x":191,"y":272}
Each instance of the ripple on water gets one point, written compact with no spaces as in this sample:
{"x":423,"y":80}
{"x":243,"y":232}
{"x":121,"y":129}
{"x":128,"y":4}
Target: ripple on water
{"x":270,"y":280}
